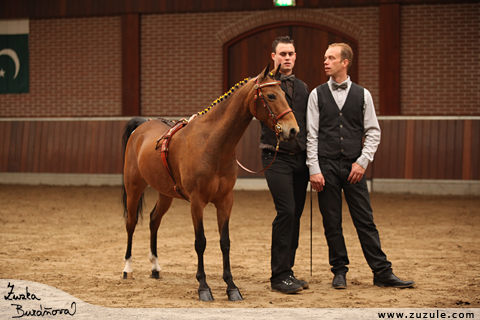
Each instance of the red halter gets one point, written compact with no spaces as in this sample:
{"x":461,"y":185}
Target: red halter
{"x":275,"y":125}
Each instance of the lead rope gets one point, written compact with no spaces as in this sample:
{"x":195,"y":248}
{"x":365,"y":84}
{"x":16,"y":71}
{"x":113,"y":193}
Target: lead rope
{"x":275,"y":126}
{"x":274,"y":156}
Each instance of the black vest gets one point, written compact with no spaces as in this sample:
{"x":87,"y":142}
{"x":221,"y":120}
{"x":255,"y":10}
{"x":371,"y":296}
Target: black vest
{"x":298,"y":103}
{"x":340,"y":132}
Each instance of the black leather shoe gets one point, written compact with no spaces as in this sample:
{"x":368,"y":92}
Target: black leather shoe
{"x":391,"y":280}
{"x":339,"y":281}
{"x":303,"y":283}
{"x":286,"y":286}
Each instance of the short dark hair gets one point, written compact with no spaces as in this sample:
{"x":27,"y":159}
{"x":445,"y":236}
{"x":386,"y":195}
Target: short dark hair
{"x":281,"y":39}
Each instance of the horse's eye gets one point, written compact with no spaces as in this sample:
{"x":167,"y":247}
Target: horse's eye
{"x":271,"y":96}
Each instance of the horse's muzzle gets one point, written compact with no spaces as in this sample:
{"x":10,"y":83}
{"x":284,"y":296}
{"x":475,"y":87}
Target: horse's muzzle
{"x":289,"y":133}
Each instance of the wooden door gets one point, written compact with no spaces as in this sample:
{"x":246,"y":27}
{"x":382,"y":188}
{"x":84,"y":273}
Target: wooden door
{"x":248,"y":54}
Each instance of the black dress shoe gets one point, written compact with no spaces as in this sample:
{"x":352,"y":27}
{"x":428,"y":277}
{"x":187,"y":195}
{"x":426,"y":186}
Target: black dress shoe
{"x":286,"y":286}
{"x":391,"y":280}
{"x":303,"y":283}
{"x":339,"y":281}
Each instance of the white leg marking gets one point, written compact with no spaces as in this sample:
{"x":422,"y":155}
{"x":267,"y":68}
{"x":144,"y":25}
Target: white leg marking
{"x":154,"y":261}
{"x":128,"y":266}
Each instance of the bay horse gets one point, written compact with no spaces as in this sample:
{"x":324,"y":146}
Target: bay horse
{"x":201,"y":166}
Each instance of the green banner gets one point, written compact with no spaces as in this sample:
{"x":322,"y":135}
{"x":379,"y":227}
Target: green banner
{"x":14,"y":63}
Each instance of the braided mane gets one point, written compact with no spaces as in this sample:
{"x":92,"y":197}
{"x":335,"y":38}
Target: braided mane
{"x":223,"y":97}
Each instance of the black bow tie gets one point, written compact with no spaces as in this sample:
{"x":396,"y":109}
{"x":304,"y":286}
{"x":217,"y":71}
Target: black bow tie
{"x":336,"y":86}
{"x":284,"y":77}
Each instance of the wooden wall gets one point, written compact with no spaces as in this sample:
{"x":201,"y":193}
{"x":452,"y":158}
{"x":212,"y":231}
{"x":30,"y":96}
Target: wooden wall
{"x":70,"y":146}
{"x":411,"y":148}
{"x":14,"y":9}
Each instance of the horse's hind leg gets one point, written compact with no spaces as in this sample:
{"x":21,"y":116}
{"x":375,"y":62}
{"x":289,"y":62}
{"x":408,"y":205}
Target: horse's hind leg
{"x":134,"y":198}
{"x":163,"y":204}
{"x":224,"y":209}
{"x":204,"y":292}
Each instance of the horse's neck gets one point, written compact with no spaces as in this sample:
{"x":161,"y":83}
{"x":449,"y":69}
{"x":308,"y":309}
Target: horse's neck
{"x":228,"y":121}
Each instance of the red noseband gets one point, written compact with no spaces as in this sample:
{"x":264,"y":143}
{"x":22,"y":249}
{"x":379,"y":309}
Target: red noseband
{"x":275,"y":126}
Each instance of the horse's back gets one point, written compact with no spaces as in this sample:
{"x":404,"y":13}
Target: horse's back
{"x":143,"y":141}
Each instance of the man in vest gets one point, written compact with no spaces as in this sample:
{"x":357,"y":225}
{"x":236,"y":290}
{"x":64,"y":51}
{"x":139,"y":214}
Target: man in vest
{"x":287,"y":177}
{"x":340,"y":113}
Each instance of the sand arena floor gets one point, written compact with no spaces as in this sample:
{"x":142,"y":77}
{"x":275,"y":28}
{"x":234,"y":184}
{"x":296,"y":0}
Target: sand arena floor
{"x":74,"y":239}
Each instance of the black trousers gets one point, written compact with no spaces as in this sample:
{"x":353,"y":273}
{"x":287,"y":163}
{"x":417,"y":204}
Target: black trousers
{"x":287,"y":179}
{"x":336,"y":172}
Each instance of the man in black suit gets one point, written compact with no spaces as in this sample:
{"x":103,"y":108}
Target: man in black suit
{"x":287,"y":177}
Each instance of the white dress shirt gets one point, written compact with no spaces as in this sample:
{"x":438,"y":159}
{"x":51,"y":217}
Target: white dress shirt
{"x":370,"y":125}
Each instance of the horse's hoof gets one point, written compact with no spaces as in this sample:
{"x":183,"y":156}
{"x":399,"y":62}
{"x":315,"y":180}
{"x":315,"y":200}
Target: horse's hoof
{"x":155,"y":274}
{"x":127,"y":275}
{"x":234,"y":295}
{"x":205,"y":295}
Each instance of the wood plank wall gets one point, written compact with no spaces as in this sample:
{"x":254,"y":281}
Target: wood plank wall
{"x":61,"y":146}
{"x":410,"y":149}
{"x":73,"y":8}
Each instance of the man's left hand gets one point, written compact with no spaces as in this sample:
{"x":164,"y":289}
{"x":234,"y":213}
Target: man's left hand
{"x":356,"y":174}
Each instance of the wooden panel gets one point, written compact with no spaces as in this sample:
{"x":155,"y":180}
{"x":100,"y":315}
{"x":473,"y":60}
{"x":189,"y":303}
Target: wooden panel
{"x":76,"y":8}
{"x":22,"y":158}
{"x":82,"y":143}
{"x":467,"y":152}
{"x":475,"y":146}
{"x":457,"y":168}
{"x":417,"y":150}
{"x":92,"y":140}
{"x":381,"y":167}
{"x":3,"y":153}
{"x":442,"y":149}
{"x":432,"y":166}
{"x":410,"y":149}
{"x":31,"y":147}
{"x":389,"y":59}
{"x":57,"y":152}
{"x":38,"y":147}
{"x":425,"y":148}
{"x":131,"y":65}
{"x":15,"y":146}
{"x":71,"y":147}
{"x":401,"y":142}
{"x":389,"y":161}
{"x":450,"y":150}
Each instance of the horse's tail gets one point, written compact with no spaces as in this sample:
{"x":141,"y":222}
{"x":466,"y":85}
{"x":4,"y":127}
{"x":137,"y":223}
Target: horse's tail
{"x":131,"y":125}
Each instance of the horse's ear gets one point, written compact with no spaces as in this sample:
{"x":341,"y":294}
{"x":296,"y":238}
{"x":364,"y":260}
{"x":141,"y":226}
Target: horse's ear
{"x":277,"y":70}
{"x":263,"y":74}
{"x":267,"y":69}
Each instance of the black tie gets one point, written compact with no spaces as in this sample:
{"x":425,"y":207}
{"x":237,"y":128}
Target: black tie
{"x":289,"y":83}
{"x":336,"y":86}
{"x":284,"y":77}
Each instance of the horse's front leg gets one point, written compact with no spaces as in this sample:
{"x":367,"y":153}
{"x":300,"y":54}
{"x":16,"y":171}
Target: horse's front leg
{"x":224,"y":210}
{"x":204,"y":292}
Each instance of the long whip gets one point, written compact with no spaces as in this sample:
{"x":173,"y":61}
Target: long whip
{"x":311,"y":228}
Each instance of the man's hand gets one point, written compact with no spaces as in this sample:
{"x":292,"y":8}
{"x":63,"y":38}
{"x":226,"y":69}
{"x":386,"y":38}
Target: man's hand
{"x":356,"y":174}
{"x":317,"y":181}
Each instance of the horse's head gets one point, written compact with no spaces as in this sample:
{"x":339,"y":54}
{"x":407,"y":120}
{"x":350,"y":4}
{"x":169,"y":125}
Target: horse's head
{"x":271,"y":107}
